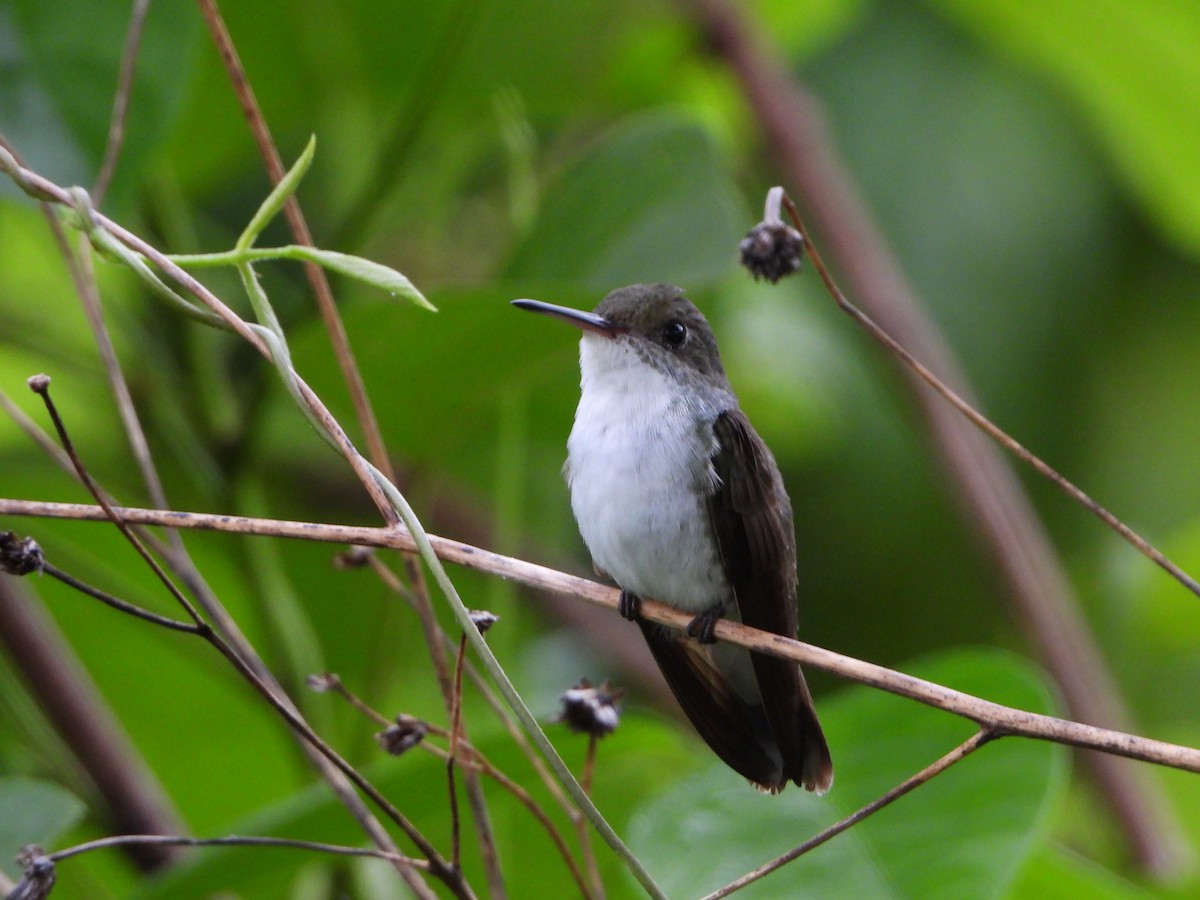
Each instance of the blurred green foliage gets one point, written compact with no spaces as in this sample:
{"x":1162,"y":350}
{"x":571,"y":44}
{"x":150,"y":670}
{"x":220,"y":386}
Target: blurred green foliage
{"x":1033,"y":165}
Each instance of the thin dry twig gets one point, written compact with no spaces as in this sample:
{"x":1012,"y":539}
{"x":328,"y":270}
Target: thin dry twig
{"x":1000,"y":719}
{"x":120,"y":111}
{"x":471,"y":758}
{"x":959,"y":753}
{"x":232,"y":840}
{"x":585,"y":837}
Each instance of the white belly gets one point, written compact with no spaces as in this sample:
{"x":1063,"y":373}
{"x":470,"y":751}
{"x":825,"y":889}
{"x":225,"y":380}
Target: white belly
{"x":638,"y":469}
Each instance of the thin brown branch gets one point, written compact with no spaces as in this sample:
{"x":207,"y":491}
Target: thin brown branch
{"x":118,"y":604}
{"x":120,"y":111}
{"x":232,"y":840}
{"x":1003,"y":720}
{"x":40,"y":385}
{"x":991,"y":495}
{"x":435,"y":641}
{"x":960,"y":752}
{"x":452,"y":753}
{"x":471,"y":759}
{"x":451,"y":875}
{"x":585,"y":837}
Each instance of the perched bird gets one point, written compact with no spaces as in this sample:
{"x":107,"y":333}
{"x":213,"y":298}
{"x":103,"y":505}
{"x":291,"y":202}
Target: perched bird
{"x":679,"y":500}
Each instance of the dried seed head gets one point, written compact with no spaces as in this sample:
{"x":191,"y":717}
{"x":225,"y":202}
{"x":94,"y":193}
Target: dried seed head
{"x":402,"y":736}
{"x":20,"y":556}
{"x":39,"y":875}
{"x":483,"y":619}
{"x":771,"y":250}
{"x":320,"y":683}
{"x":354,"y":557}
{"x":591,"y":710}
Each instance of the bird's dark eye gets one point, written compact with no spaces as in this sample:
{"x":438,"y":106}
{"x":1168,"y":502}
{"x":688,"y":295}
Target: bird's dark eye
{"x":674,"y":333}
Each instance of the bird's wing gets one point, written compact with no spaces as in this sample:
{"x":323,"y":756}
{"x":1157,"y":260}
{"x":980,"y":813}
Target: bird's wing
{"x":752,"y":520}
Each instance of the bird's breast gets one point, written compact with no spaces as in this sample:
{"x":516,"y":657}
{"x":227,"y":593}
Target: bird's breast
{"x":639,"y":471}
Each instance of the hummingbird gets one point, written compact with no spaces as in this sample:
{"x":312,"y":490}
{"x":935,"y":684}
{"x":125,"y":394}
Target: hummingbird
{"x":679,"y":500}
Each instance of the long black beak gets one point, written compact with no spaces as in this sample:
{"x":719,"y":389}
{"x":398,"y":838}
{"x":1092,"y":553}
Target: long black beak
{"x":584,"y":320}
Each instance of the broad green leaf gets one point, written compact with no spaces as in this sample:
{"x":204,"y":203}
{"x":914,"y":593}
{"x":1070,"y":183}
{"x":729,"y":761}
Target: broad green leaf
{"x":1134,"y":70}
{"x":649,"y":203}
{"x":33,"y":812}
{"x":964,"y":834}
{"x":1055,"y":873}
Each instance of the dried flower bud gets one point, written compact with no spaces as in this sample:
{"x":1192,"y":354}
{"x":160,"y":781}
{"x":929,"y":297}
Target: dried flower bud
{"x":20,"y":556}
{"x":483,"y":619}
{"x":591,"y":710}
{"x":39,"y":875}
{"x":325,"y":681}
{"x":403,"y":736}
{"x":354,"y":557}
{"x":771,"y":250}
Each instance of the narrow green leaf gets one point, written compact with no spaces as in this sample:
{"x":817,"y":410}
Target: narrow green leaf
{"x":279,"y":196}
{"x":372,"y":273}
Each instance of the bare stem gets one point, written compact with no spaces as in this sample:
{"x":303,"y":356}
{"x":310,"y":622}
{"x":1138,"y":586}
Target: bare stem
{"x":40,"y":385}
{"x":585,"y":837}
{"x":455,"y":727}
{"x":958,"y":753}
{"x":232,"y":840}
{"x":120,"y":110}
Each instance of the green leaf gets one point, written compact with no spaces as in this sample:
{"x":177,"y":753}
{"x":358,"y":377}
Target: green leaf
{"x":33,"y":812}
{"x":1055,"y":873}
{"x":650,"y":203}
{"x":1134,"y":70}
{"x":372,"y":273}
{"x":963,"y":834}
{"x":278,"y":196}
{"x":64,"y":85}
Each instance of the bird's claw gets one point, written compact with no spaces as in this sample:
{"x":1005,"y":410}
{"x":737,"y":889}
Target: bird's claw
{"x":701,"y":628}
{"x":629,"y":606}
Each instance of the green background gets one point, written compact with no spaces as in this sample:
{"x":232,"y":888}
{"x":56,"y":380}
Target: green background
{"x":1033,"y":165}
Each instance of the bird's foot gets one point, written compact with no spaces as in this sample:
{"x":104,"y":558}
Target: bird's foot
{"x":701,"y":627}
{"x":629,"y":606}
